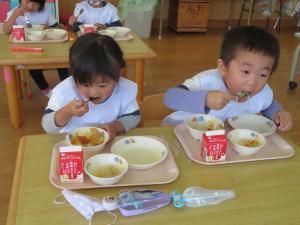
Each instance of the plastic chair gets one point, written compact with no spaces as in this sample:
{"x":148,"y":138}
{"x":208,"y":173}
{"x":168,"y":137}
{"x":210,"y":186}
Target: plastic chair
{"x":153,"y":110}
{"x":292,"y":83}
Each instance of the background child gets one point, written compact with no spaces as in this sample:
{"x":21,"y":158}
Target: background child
{"x":98,"y":12}
{"x":95,"y":95}
{"x":249,"y":55}
{"x":36,"y":12}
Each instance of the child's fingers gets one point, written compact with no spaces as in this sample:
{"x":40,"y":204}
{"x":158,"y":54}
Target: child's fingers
{"x":229,"y":96}
{"x":284,"y":121}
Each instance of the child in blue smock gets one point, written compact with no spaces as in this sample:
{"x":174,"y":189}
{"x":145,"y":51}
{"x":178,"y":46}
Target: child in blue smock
{"x":95,"y":94}
{"x":249,"y":55}
{"x":98,"y":12}
{"x":36,"y":12}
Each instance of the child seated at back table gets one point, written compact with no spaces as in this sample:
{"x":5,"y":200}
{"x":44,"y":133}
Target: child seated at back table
{"x":95,"y":95}
{"x":249,"y":55}
{"x":37,"y":12}
{"x":98,"y":12}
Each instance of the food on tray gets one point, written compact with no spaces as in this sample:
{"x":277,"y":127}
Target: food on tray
{"x":252,"y":143}
{"x":91,"y":138}
{"x":107,"y":171}
{"x":205,"y":126}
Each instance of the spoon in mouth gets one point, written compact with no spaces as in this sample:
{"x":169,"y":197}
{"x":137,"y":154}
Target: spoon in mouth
{"x":242,"y":95}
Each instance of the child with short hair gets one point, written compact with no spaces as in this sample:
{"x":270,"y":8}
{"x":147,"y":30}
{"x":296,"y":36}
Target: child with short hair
{"x":248,"y":57}
{"x":95,"y":95}
{"x":98,"y":12}
{"x":35,"y":12}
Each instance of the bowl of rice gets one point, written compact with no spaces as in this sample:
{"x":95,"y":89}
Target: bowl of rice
{"x":106,"y":168}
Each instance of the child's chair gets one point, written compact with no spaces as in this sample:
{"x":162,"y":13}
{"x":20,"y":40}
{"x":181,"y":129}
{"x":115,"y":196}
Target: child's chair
{"x":153,"y":110}
{"x":293,"y":83}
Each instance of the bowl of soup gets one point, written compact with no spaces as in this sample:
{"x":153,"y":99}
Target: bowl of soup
{"x":106,"y":168}
{"x":141,"y":152}
{"x":56,"y":34}
{"x":89,"y":138}
{"x":119,"y":31}
{"x":35,"y":35}
{"x":200,"y":123}
{"x":246,"y":142}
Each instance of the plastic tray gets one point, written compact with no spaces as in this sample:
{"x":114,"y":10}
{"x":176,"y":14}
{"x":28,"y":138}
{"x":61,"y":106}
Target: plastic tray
{"x":39,"y":42}
{"x":163,"y":173}
{"x":275,"y":148}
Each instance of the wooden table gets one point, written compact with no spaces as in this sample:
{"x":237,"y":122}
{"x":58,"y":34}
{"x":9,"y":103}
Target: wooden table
{"x":267,"y":192}
{"x":55,"y":55}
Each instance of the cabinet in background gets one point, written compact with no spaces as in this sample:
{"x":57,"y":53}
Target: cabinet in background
{"x":188,"y":15}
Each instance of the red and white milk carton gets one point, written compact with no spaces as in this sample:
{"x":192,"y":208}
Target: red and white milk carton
{"x":18,"y":33}
{"x":214,"y":146}
{"x":88,"y":28}
{"x":71,"y":164}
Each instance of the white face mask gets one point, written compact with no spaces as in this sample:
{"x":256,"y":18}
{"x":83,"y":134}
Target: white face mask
{"x":88,"y":206}
{"x":84,"y":204}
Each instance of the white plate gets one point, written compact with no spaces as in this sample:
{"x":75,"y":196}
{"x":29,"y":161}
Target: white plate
{"x":258,"y":123}
{"x":141,"y":152}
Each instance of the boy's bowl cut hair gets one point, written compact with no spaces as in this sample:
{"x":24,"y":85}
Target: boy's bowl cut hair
{"x":40,"y":2}
{"x":249,"y":38}
{"x":93,"y":55}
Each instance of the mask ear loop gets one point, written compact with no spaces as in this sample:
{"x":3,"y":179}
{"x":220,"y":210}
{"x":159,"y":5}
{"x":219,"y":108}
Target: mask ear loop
{"x":56,"y":200}
{"x":111,"y":213}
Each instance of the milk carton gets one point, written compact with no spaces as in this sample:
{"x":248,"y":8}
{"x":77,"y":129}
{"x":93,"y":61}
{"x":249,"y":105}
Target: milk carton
{"x":18,"y":33}
{"x":71,"y":164}
{"x":214,"y":146}
{"x":88,"y":28}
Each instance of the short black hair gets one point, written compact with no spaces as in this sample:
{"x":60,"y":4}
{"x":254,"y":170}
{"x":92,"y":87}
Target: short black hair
{"x":93,"y":55}
{"x":40,"y":2}
{"x":249,"y":38}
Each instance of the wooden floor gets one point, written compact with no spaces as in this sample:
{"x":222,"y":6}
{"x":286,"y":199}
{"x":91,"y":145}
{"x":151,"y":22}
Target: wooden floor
{"x":179,"y":56}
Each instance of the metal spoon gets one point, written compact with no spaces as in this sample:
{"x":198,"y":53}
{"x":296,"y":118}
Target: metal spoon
{"x":80,"y":12}
{"x":28,"y":24}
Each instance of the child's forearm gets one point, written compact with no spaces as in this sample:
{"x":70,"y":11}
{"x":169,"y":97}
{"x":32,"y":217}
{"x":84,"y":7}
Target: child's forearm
{"x":118,"y":127}
{"x":130,"y":121}
{"x":272,"y":109}
{"x":7,"y":27}
{"x":180,"y":98}
{"x":62,"y":116}
{"x":48,"y":123}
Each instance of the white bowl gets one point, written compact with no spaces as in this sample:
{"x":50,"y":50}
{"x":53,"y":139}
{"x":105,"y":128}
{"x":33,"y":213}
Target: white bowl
{"x":140,"y":152}
{"x":255,"y":122}
{"x":85,"y":132}
{"x":56,"y":34}
{"x":110,"y":33}
{"x":100,"y":168}
{"x":200,"y":123}
{"x":33,"y":27}
{"x":81,"y":28}
{"x":35,"y":35}
{"x":120,"y":31}
{"x":240,"y":138}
